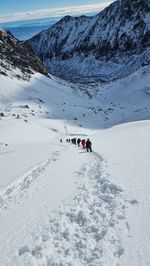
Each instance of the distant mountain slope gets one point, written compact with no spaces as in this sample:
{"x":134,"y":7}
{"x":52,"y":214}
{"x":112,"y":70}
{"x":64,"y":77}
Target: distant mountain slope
{"x":112,"y":44}
{"x":16,"y":54}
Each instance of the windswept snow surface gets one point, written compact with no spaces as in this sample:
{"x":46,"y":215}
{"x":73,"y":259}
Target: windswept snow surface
{"x":63,"y":206}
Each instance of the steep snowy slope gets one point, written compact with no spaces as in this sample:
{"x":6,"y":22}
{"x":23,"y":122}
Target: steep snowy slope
{"x":16,"y":55}
{"x":60,"y":205}
{"x":112,"y":44}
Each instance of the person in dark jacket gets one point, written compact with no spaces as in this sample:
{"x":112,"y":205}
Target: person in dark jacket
{"x":74,"y":140}
{"x":89,"y":145}
{"x":78,"y":141}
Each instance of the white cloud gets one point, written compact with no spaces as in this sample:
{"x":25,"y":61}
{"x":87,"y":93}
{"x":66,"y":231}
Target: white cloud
{"x":54,"y":12}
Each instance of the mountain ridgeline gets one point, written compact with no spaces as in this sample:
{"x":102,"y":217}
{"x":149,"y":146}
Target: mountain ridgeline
{"x":15,"y":55}
{"x":110,"y":45}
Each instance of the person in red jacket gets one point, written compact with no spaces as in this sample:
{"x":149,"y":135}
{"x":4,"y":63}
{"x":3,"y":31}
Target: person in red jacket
{"x":83,"y":142}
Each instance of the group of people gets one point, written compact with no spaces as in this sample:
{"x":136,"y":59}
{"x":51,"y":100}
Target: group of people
{"x":84,"y":143}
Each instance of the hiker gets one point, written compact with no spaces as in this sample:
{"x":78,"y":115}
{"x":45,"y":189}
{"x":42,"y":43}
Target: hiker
{"x":83,"y":143}
{"x":61,"y":140}
{"x":74,"y":141}
{"x":89,"y":145}
{"x":78,"y":142}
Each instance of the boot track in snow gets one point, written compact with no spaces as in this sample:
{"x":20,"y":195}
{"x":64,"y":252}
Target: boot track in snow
{"x":85,"y":232}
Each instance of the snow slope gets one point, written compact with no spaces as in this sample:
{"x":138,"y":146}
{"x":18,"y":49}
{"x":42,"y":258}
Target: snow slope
{"x":127,"y":149}
{"x":60,"y":205}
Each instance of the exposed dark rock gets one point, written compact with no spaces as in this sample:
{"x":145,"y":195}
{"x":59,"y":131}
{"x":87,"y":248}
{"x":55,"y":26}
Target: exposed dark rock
{"x":18,"y":54}
{"x":26,"y":106}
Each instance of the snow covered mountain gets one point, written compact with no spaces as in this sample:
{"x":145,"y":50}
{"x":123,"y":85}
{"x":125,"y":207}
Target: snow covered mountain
{"x":16,"y":55}
{"x":110,"y":45}
{"x":59,"y":204}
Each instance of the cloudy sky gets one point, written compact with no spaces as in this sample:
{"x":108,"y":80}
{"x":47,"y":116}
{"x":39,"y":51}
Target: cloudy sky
{"x":11,"y":10}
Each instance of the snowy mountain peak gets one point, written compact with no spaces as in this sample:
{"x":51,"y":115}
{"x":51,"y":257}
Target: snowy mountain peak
{"x":112,"y":44}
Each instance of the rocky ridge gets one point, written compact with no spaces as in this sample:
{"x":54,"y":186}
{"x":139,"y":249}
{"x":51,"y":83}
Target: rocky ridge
{"x":15,"y":55}
{"x":110,"y":45}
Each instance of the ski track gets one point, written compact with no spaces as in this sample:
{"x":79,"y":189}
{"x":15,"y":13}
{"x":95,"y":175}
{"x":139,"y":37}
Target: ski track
{"x":17,"y":189}
{"x":83,"y":233}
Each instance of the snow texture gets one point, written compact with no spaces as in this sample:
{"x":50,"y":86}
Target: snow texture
{"x":59,"y":204}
